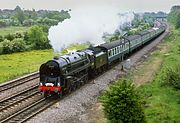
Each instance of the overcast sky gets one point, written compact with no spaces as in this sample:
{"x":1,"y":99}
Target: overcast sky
{"x":123,"y":5}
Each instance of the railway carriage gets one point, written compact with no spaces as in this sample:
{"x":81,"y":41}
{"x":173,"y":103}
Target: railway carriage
{"x":135,"y":41}
{"x":115,"y":50}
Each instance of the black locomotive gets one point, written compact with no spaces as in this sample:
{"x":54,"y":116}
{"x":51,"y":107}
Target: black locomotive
{"x":65,"y":73}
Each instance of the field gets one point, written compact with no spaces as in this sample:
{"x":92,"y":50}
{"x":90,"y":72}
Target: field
{"x":18,"y":64}
{"x":13,"y":29}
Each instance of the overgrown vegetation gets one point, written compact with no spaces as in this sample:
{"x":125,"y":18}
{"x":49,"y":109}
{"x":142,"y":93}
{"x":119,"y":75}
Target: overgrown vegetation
{"x":122,"y":103}
{"x":174,"y":16}
{"x":171,"y":76}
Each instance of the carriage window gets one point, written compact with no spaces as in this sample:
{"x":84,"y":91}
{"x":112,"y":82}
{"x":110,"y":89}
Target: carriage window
{"x":110,"y":52}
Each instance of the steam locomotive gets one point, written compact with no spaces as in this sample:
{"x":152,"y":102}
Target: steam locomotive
{"x":65,"y":73}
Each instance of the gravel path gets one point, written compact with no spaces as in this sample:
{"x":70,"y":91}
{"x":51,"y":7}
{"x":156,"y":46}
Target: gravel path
{"x":73,"y":108}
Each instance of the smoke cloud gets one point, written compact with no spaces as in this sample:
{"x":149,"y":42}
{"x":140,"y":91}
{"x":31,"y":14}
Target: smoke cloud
{"x":87,"y":24}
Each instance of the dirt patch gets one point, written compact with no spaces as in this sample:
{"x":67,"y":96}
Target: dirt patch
{"x":145,"y":73}
{"x":96,"y":114}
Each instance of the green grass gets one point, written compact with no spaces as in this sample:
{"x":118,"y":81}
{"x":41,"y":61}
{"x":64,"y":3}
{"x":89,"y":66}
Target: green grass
{"x":163,"y":102}
{"x":18,"y":64}
{"x":12,"y":29}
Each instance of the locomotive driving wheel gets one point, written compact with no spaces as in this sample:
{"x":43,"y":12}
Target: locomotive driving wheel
{"x":60,"y":94}
{"x":45,"y":94}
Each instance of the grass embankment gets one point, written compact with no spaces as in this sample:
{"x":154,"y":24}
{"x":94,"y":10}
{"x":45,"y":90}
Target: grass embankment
{"x":162,"y":101}
{"x":12,"y":29}
{"x":18,"y":64}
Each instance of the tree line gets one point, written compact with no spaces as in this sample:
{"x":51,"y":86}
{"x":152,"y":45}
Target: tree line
{"x":174,"y":16}
{"x":21,"y":17}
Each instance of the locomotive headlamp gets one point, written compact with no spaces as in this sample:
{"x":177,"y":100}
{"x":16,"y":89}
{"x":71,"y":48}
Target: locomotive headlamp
{"x":40,"y":84}
{"x":58,"y":84}
{"x":55,"y":90}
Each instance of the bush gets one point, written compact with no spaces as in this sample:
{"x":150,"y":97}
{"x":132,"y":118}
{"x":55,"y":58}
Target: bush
{"x":18,"y":45}
{"x":28,"y":22}
{"x":1,"y":48}
{"x":9,"y":37}
{"x":1,"y":38}
{"x":18,"y":35}
{"x":122,"y":103}
{"x":172,"y":77}
{"x":3,"y":23}
{"x":7,"y":46}
{"x":38,"y":38}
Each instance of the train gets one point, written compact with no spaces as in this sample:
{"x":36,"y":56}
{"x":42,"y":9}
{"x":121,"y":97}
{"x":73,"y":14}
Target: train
{"x":63,"y":74}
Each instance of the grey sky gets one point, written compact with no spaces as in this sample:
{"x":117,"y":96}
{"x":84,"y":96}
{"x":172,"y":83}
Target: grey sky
{"x":124,"y":5}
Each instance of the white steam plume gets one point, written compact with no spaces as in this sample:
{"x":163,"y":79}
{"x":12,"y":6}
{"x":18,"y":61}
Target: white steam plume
{"x":87,"y":24}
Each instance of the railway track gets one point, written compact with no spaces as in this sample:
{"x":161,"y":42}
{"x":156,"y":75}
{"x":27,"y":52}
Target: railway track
{"x":9,"y":101}
{"x":30,"y":111}
{"x":19,"y":81}
{"x":9,"y":105}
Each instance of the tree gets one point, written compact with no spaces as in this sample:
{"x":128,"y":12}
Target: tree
{"x":174,"y":16}
{"x":122,"y":103}
{"x":177,"y":23}
{"x":7,"y":46}
{"x":18,"y":45}
{"x":1,"y":38}
{"x":9,"y":37}
{"x":28,"y":22}
{"x":38,"y":38}
{"x":19,"y":14}
{"x":50,"y":22}
{"x":3,"y":23}
{"x":1,"y":48}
